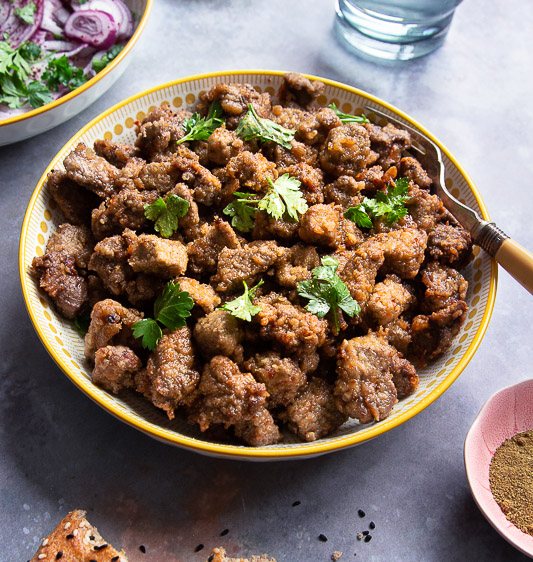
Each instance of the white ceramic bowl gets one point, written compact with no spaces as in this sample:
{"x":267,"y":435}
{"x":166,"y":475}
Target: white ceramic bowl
{"x":66,"y":346}
{"x":506,"y":413}
{"x":43,"y":118}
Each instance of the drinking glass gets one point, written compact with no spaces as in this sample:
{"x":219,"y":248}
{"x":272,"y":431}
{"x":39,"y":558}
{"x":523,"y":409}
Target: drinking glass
{"x":394,"y":29}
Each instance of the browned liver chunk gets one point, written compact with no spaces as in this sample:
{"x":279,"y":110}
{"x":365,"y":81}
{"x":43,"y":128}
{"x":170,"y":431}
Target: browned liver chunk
{"x":157,"y":256}
{"x":227,"y":396}
{"x":170,"y":376}
{"x":219,"y":333}
{"x":259,"y":431}
{"x":59,"y":277}
{"x":76,"y":241}
{"x":313,"y":414}
{"x":346,"y":150}
{"x":114,"y":367}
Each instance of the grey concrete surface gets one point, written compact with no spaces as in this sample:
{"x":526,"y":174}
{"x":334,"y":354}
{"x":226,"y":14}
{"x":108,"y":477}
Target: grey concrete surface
{"x":60,"y":451}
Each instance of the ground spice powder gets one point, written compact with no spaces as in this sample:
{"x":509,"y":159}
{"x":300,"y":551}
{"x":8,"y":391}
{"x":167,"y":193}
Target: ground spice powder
{"x":511,"y":479}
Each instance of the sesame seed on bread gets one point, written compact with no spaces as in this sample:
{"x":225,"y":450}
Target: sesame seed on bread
{"x":76,"y":540}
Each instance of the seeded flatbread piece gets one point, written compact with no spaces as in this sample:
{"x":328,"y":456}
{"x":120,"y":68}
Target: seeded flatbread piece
{"x":219,"y":555}
{"x":76,"y":540}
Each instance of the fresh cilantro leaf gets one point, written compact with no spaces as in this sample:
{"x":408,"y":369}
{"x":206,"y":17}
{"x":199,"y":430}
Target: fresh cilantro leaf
{"x":83,"y":321}
{"x":346,"y":117}
{"x":106,"y":58}
{"x":359,"y":216}
{"x":27,"y":13}
{"x":170,"y":309}
{"x":251,"y":126}
{"x":165,"y":214}
{"x":61,"y":71}
{"x":30,"y":51}
{"x":173,"y":306}
{"x":150,"y":332}
{"x":326,"y":291}
{"x":201,"y":128}
{"x":284,"y":196}
{"x":390,"y":204}
{"x":241,"y":211}
{"x":242,"y":307}
{"x":38,"y":94}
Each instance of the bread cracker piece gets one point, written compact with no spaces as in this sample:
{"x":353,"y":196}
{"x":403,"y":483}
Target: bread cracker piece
{"x":218,"y":554}
{"x":76,"y":540}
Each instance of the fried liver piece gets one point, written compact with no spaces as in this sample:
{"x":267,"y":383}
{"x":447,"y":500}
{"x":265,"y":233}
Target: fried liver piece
{"x":299,"y":91}
{"x":111,"y":324}
{"x":344,"y":191}
{"x":296,"y":265}
{"x":364,"y":389}
{"x":444,"y":286}
{"x":59,"y":277}
{"x":389,"y":142}
{"x":202,"y":294}
{"x":83,"y":166}
{"x":120,"y":211}
{"x":158,"y":256}
{"x":450,"y":244}
{"x":325,"y":225}
{"x":223,"y":145}
{"x":251,"y":171}
{"x":346,"y":151}
{"x":403,"y":251}
{"x":313,"y":413}
{"x":388,"y":300}
{"x":411,"y":168}
{"x":219,"y":333}
{"x":290,"y":327}
{"x":170,"y":376}
{"x":245,"y":264}
{"x":116,"y":153}
{"x":75,"y":202}
{"x":76,"y":241}
{"x":259,"y":431}
{"x":114,"y":367}
{"x":204,"y":251}
{"x":227,"y":396}
{"x":75,"y":539}
{"x":281,"y":376}
{"x":234,"y":100}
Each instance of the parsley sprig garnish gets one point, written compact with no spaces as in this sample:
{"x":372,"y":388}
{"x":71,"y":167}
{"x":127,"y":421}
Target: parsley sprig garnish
{"x":106,"y":58}
{"x":165,"y":214}
{"x":61,"y":72}
{"x":391,"y":205}
{"x":171,"y":308}
{"x":83,"y":321}
{"x":282,"y":197}
{"x":27,"y":13}
{"x":241,"y":211}
{"x":251,"y":126}
{"x":201,"y":128}
{"x":242,"y":307}
{"x":346,"y":117}
{"x":326,"y":291}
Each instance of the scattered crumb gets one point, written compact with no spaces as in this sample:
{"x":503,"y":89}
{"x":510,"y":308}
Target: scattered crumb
{"x":359,"y":536}
{"x":336,"y":555}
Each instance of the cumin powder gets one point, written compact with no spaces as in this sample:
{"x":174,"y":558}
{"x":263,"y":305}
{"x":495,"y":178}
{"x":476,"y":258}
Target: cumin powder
{"x":511,"y":479}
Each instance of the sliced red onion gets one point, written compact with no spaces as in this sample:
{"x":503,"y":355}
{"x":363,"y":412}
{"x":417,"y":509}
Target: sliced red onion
{"x":96,"y":28}
{"x":41,"y":36}
{"x":5,"y":12}
{"x":49,"y":21}
{"x":18,"y":30}
{"x":66,"y":46}
{"x":117,"y":10}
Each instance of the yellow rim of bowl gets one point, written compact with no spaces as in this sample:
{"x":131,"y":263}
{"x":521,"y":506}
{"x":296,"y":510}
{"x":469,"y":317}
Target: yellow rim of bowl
{"x":104,"y":72}
{"x":311,"y":449}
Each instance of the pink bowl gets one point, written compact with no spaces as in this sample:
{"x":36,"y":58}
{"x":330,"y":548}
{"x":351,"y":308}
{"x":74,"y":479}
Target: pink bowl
{"x":506,"y":413}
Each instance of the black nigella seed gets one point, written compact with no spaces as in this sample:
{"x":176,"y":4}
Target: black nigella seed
{"x":59,"y":555}
{"x":101,"y":547}
{"x":296,"y":503}
{"x":142,"y":548}
{"x":199,"y":547}
{"x":368,"y":538}
{"x":71,"y":536}
{"x":361,"y":513}
{"x":365,"y":533}
{"x":372,"y":525}
{"x":91,"y":537}
{"x":211,"y":558}
{"x":224,"y":532}
{"x":114,"y":559}
{"x":322,"y":538}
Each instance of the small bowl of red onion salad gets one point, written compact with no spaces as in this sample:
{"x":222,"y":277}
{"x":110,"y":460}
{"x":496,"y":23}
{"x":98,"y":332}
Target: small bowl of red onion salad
{"x":59,"y":56}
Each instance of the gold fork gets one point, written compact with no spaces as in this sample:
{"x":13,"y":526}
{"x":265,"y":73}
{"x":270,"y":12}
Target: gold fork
{"x":515,"y":259}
